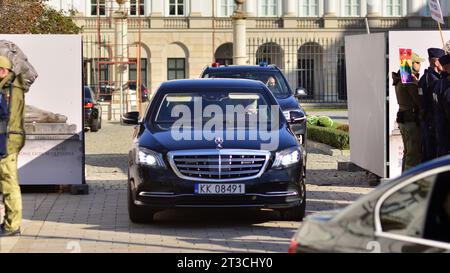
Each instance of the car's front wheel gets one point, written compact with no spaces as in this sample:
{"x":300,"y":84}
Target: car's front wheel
{"x":138,"y":214}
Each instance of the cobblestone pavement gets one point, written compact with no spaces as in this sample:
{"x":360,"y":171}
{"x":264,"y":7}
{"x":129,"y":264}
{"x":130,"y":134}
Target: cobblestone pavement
{"x":98,"y":222}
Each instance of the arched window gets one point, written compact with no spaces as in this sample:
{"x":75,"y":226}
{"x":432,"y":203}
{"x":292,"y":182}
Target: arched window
{"x":224,"y":54}
{"x":271,"y":53}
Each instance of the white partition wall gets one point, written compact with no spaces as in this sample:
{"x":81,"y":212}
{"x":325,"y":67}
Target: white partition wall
{"x":366,"y":90}
{"x":54,"y":146}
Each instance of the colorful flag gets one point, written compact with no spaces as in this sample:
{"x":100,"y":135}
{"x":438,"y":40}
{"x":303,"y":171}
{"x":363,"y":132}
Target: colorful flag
{"x":406,"y":65}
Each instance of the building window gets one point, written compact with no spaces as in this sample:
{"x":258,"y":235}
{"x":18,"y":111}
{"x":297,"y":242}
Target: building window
{"x":176,"y":68}
{"x":352,"y":8}
{"x":176,"y":7}
{"x":133,"y":69}
{"x":98,"y":7}
{"x":394,"y":7}
{"x":269,"y":8}
{"x":137,"y":6}
{"x":227,"y":7}
{"x":309,"y":8}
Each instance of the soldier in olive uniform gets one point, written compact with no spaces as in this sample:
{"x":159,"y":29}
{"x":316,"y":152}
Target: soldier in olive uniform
{"x":13,"y":87}
{"x":408,"y":115}
{"x":441,"y":99}
{"x":426,"y":86}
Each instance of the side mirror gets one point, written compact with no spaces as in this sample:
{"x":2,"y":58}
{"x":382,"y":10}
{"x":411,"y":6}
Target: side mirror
{"x":301,"y":92}
{"x":131,"y":118}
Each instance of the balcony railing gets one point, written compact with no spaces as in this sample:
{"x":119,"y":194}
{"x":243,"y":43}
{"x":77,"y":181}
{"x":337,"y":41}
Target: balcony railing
{"x":390,"y":23}
{"x":176,"y":23}
{"x":307,"y":23}
{"x":349,"y":23}
{"x":136,"y":23}
{"x":92,"y":23}
{"x":265,"y":23}
{"x":223,"y":23}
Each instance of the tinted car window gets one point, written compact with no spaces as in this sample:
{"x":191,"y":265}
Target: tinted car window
{"x":280,"y":89}
{"x":87,"y":94}
{"x":404,"y":212}
{"x":252,"y":104}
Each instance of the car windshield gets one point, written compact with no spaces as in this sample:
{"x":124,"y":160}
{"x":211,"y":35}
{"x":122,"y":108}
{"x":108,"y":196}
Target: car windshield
{"x":272,"y":79}
{"x":230,"y":108}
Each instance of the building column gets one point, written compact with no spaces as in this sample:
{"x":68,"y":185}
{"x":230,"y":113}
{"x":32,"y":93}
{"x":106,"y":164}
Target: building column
{"x":196,"y":18}
{"x":157,"y":8}
{"x":330,"y":15}
{"x":374,"y":13}
{"x":413,"y":7}
{"x":239,"y":36}
{"x":373,"y":8}
{"x":289,"y":14}
{"x":196,"y":8}
{"x":289,"y":8}
{"x":414,"y":19}
{"x":251,"y":8}
{"x":330,"y":8}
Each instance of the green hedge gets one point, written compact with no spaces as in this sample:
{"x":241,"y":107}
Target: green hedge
{"x":330,"y":136}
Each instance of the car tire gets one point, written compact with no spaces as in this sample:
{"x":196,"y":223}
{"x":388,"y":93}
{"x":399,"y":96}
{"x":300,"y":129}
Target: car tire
{"x":100,"y":124}
{"x":296,"y":213}
{"x":95,"y":125}
{"x":138,"y":214}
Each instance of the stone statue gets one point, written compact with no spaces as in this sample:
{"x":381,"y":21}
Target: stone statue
{"x":36,"y":115}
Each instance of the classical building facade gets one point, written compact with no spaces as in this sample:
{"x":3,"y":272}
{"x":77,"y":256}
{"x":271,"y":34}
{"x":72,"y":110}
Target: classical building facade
{"x":178,"y":38}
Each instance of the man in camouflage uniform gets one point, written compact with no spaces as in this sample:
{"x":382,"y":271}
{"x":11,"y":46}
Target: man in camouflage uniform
{"x":408,"y":118}
{"x":13,"y":87}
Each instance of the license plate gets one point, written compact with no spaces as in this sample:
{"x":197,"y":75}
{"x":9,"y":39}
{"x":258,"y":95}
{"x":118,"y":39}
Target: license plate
{"x":219,"y":189}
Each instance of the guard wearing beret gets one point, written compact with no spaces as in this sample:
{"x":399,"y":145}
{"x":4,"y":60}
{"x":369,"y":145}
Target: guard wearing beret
{"x":441,"y":101}
{"x":426,"y":86}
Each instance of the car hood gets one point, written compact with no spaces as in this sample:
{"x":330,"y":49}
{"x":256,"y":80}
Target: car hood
{"x":162,"y":140}
{"x":290,"y":103}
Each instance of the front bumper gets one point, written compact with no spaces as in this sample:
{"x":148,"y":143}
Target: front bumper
{"x":162,"y":189}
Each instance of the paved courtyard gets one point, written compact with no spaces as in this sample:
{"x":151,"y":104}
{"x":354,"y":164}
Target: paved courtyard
{"x":98,"y":222}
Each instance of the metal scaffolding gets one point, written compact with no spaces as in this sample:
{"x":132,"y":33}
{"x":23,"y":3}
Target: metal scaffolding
{"x":109,"y":56}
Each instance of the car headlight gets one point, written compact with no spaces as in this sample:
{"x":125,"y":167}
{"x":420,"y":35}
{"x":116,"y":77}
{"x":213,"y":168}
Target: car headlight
{"x":149,"y":158}
{"x":287,"y":158}
{"x":295,"y":116}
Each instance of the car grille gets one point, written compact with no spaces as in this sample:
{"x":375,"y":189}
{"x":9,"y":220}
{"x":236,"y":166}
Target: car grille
{"x":219,"y":165}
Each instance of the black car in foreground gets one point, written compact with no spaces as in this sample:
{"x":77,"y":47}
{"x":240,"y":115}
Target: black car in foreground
{"x":190,"y":150}
{"x":92,"y":111}
{"x":408,"y":214}
{"x":277,"y":83}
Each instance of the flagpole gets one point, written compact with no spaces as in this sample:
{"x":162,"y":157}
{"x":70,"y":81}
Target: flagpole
{"x":442,"y":37}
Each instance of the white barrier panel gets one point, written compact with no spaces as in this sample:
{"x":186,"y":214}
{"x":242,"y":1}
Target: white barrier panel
{"x":54,"y":148}
{"x":366,"y":89}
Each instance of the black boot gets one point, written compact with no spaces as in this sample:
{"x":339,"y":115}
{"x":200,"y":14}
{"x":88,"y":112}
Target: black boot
{"x":6,"y":233}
